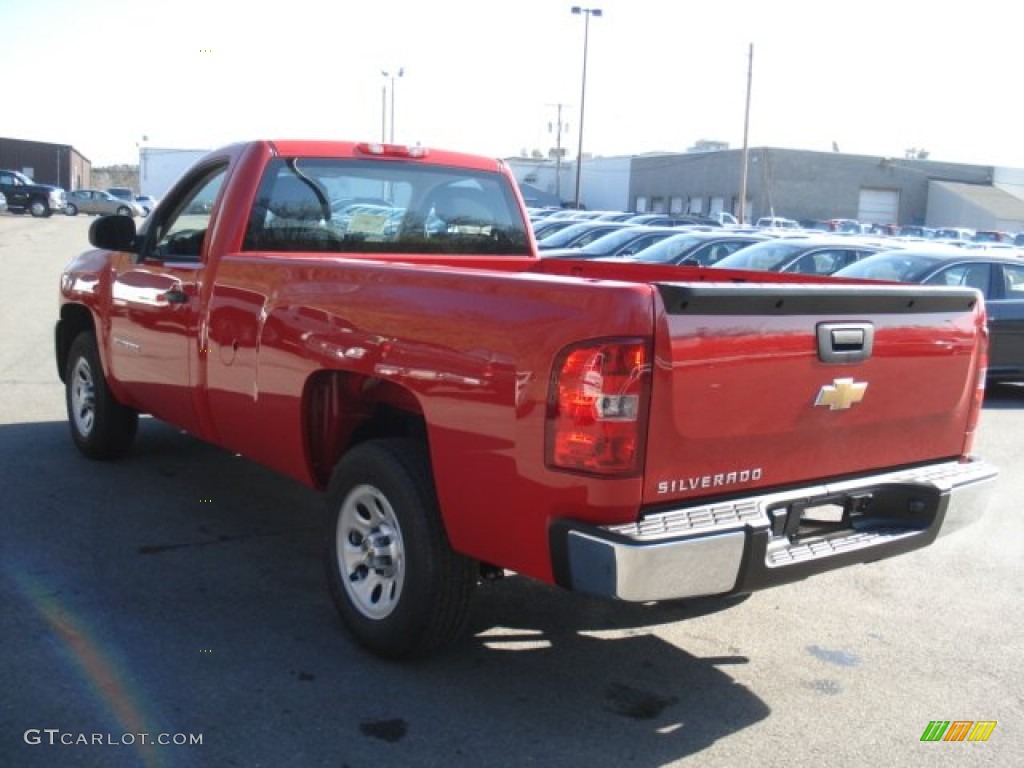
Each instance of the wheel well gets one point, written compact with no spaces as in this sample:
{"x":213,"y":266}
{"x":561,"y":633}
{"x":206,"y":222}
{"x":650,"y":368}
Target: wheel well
{"x":74,"y":318}
{"x":345,"y":409}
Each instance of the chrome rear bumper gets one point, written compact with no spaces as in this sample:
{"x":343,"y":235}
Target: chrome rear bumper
{"x":757,"y":542}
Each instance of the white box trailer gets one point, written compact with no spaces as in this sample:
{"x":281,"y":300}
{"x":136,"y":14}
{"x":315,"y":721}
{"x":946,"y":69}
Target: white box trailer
{"x":160,"y":167}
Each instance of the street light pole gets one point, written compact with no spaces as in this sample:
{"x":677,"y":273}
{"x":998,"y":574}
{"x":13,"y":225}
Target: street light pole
{"x":383,"y":121}
{"x":558,"y":152}
{"x":587,"y":13}
{"x":746,"y":142}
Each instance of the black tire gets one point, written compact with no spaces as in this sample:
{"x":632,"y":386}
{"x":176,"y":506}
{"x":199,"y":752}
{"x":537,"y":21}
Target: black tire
{"x":124,"y":210}
{"x":400,"y":588}
{"x":71,"y":209}
{"x":40,"y":209}
{"x":101,"y":427}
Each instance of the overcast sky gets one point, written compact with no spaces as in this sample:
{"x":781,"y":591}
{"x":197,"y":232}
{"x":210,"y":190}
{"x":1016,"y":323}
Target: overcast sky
{"x":872,"y":77}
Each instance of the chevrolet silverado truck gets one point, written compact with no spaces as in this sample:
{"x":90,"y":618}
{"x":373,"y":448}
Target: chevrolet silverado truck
{"x":374,"y":321}
{"x":23,"y":194}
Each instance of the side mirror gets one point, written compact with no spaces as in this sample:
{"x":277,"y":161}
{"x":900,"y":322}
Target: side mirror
{"x":113,"y":233}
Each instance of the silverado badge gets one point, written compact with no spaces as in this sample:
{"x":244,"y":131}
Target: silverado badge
{"x":841,"y":394}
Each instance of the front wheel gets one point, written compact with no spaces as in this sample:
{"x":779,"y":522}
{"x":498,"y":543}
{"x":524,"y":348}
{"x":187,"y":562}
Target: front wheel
{"x":101,"y":427}
{"x":39,"y":209}
{"x":71,"y":209}
{"x":399,"y":587}
{"x":124,"y":210}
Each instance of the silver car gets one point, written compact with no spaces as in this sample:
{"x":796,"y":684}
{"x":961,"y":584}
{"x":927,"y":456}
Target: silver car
{"x":98,"y":202}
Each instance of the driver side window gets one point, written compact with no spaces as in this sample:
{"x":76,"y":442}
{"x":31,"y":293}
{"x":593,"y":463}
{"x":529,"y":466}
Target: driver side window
{"x":182,"y":235}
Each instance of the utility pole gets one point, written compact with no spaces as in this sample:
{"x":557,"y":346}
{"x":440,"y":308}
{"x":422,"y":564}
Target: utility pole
{"x":559,"y":126}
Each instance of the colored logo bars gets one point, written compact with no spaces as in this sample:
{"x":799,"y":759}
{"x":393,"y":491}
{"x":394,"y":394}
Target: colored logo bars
{"x":958,"y":730}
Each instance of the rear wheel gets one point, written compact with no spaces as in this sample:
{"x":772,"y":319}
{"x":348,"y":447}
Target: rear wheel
{"x":101,"y":427}
{"x":71,"y":209}
{"x":124,"y":210}
{"x":399,"y":587}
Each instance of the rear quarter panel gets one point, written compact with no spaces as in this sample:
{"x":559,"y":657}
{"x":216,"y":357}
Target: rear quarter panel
{"x":473,"y":350}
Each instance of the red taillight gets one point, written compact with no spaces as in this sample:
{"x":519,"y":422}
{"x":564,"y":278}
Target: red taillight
{"x":597,"y":407}
{"x":391,"y":150}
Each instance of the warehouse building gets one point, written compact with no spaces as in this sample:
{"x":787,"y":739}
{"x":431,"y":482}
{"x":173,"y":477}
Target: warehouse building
{"x":45,"y":163}
{"x":797,"y":184}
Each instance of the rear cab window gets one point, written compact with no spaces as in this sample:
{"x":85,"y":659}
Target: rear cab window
{"x":342,"y":205}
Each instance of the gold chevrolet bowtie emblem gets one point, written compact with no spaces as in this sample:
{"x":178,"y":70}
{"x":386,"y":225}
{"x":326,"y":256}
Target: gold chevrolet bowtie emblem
{"x":841,"y":394}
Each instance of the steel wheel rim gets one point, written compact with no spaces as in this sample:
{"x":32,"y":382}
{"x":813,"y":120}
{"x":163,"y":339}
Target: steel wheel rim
{"x":370,"y":552}
{"x":83,"y":397}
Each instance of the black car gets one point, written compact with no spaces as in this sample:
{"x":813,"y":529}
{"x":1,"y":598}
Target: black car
{"x":697,"y":248}
{"x":620,"y":243}
{"x":999,"y":278}
{"x":579,"y":234}
{"x":803,"y":255}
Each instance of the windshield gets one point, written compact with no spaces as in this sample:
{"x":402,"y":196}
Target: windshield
{"x":763,"y":256}
{"x":897,"y":266}
{"x":567,"y":236}
{"x":667,"y":251}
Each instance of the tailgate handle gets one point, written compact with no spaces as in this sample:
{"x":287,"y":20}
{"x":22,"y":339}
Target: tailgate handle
{"x":845,"y":342}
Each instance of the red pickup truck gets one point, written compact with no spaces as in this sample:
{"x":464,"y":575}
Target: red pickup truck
{"x":374,"y":321}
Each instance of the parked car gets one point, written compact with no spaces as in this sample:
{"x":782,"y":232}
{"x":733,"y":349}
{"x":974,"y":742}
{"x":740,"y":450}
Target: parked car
{"x":697,"y":248}
{"x":1000,"y":279}
{"x":545,"y":227}
{"x":616,"y":216}
{"x":992,"y":236}
{"x":957,"y":234}
{"x":579,"y":234}
{"x":23,"y":194}
{"x":617,"y":244}
{"x":668,"y":220}
{"x":725,"y":218}
{"x":125,"y":193}
{"x":98,"y":202}
{"x":569,"y":213}
{"x":3,"y":203}
{"x":148,"y":202}
{"x":777,"y":222}
{"x":917,"y":232}
{"x":805,"y":255}
{"x":379,"y":219}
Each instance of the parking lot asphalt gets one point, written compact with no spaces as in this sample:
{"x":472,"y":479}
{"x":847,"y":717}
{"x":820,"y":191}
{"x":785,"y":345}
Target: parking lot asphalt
{"x":178,"y":594}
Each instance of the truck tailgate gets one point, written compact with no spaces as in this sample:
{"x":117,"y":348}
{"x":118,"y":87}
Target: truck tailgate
{"x":767,"y":385}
